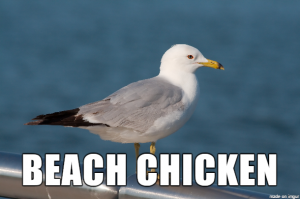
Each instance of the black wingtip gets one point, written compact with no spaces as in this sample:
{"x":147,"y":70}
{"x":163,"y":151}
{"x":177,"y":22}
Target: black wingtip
{"x":63,"y":118}
{"x":54,"y":118}
{"x":39,"y":117}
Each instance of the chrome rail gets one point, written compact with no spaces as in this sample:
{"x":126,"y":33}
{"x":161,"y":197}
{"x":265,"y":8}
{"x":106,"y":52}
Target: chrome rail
{"x":11,"y":187}
{"x":11,"y":184}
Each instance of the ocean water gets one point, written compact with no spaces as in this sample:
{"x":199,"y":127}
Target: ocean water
{"x":58,"y":55}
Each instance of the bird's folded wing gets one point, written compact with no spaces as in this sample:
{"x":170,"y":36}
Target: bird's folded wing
{"x":135,"y":106}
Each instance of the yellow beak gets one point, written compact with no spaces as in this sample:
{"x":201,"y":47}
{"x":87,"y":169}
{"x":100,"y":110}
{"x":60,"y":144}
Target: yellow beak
{"x":212,"y":64}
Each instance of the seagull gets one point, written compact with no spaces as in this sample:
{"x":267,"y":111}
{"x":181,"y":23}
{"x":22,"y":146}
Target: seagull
{"x":146,"y":110}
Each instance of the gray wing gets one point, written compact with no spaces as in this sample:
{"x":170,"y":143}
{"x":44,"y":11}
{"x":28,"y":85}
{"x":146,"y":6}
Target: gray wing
{"x":135,"y":106}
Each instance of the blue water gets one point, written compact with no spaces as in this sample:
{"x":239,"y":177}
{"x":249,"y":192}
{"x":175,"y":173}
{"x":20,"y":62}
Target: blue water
{"x":58,"y":55}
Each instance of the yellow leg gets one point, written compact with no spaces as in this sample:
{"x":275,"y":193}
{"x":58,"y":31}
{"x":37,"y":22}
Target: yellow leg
{"x":152,"y":151}
{"x":136,"y":147}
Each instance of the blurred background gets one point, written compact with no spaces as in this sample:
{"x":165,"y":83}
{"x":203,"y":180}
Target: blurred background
{"x":58,"y":55}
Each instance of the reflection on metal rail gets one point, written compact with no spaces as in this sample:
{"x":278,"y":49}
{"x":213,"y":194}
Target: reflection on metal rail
{"x":11,"y":186}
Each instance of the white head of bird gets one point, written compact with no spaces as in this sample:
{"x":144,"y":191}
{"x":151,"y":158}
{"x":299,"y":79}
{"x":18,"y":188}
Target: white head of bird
{"x":185,"y":58}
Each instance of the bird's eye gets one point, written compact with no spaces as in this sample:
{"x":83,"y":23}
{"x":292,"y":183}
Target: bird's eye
{"x":190,"y":56}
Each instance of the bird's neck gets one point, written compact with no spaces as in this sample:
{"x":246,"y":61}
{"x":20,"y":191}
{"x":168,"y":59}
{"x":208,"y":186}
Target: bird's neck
{"x":184,"y":80}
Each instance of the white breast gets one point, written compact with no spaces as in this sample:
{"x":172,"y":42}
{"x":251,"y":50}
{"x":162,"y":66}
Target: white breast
{"x":187,"y":82}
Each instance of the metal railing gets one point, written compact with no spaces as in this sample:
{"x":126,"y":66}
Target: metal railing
{"x":11,"y":186}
